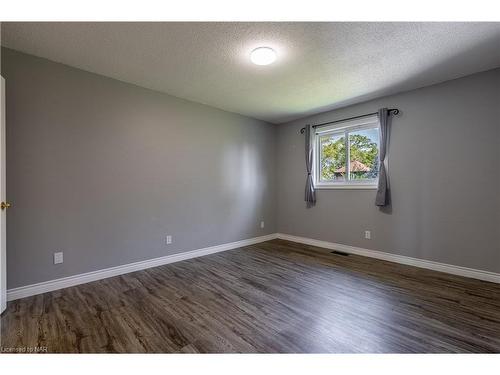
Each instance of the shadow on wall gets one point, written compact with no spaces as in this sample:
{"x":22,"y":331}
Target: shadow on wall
{"x":241,"y":182}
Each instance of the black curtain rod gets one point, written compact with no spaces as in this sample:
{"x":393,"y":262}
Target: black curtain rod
{"x":392,"y":111}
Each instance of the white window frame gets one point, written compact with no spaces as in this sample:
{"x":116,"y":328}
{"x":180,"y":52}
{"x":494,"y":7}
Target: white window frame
{"x":343,"y":127}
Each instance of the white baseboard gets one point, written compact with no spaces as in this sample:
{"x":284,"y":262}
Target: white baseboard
{"x":421,"y":263}
{"x":48,"y":286}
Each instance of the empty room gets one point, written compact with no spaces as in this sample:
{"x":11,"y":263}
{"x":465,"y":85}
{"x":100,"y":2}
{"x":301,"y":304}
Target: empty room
{"x":250,"y":187}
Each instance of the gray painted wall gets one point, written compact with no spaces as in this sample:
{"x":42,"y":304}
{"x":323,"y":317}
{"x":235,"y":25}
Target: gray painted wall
{"x":444,"y":166}
{"x":103,"y":170}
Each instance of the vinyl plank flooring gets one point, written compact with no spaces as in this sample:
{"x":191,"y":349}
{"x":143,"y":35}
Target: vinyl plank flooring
{"x":273,"y":297}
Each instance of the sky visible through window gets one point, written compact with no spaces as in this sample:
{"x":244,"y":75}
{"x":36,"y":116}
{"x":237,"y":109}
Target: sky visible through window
{"x":363,"y":155}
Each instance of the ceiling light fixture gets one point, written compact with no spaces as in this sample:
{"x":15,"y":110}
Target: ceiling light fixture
{"x":263,"y":56}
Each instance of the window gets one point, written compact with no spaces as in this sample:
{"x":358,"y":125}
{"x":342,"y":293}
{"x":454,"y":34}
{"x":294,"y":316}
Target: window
{"x":346,"y":154}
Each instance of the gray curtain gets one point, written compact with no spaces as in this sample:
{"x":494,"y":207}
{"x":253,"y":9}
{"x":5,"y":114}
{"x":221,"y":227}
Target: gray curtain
{"x":310,"y":194}
{"x":383,"y":194}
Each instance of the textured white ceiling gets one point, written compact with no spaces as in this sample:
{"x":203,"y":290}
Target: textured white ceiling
{"x":320,"y":66}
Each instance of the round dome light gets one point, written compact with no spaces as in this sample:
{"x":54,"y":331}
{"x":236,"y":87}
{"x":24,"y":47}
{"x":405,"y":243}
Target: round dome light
{"x":263,"y":56}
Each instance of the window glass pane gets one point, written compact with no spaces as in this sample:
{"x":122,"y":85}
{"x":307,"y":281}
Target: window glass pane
{"x":332,"y":157}
{"x":363,"y":154}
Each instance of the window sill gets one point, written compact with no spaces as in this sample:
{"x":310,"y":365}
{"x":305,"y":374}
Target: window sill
{"x":346,"y":187}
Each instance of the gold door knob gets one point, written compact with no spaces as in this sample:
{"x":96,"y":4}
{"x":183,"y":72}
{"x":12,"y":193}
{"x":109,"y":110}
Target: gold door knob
{"x":4,"y":205}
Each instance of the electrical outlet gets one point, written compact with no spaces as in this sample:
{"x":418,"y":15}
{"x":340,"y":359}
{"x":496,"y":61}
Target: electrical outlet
{"x":168,"y":240}
{"x":262,"y":224}
{"x":368,"y":234}
{"x":58,"y":258}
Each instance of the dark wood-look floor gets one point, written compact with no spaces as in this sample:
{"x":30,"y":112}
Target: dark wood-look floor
{"x":276,"y":296}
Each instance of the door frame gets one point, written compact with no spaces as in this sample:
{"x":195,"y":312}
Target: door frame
{"x":3,"y":213}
